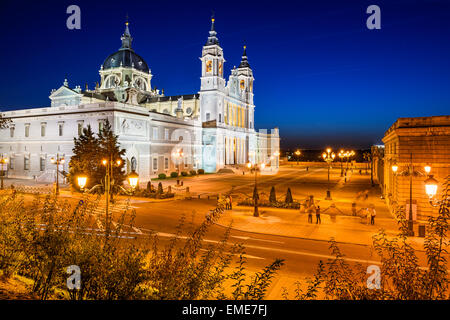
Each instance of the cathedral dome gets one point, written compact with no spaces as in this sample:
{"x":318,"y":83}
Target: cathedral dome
{"x":126,"y":57}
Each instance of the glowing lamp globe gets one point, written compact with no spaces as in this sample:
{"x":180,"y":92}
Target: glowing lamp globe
{"x":394,"y":168}
{"x":133,"y":179}
{"x":431,"y":186}
{"x":82,"y":180}
{"x":427,"y":169}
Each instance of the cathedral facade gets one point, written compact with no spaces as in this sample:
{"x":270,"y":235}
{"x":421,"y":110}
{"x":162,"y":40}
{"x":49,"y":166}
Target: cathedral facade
{"x":211,"y":129}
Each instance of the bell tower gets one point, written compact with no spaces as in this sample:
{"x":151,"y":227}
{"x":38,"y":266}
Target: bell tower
{"x":212,"y":80}
{"x":212,"y":62}
{"x":245,"y":78}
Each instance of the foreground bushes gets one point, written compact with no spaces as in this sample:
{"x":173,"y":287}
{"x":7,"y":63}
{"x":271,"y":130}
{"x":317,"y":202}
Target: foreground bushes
{"x":39,"y":241}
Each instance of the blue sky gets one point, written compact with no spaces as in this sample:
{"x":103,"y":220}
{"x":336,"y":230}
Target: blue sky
{"x":321,"y":76}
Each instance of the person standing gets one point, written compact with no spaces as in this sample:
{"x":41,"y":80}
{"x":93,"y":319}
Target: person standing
{"x":318,"y":215}
{"x":231,"y":202}
{"x":373,"y":213}
{"x":227,"y":203}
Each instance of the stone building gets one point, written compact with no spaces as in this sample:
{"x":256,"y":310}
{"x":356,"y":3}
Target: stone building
{"x":211,"y":129}
{"x":419,"y":142}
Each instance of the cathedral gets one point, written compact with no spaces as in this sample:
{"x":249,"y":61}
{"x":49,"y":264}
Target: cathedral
{"x":211,"y":130}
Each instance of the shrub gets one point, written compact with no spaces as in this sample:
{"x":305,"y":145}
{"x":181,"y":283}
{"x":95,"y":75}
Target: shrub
{"x":160,"y":188}
{"x":288,"y":196}
{"x":40,"y":240}
{"x":184,"y":173}
{"x":192,"y":172}
{"x":273,"y":196}
{"x":201,"y":171}
{"x":174,"y":174}
{"x":162,"y":176}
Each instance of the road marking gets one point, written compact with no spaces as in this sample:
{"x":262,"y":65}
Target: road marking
{"x":244,"y":255}
{"x":250,"y":238}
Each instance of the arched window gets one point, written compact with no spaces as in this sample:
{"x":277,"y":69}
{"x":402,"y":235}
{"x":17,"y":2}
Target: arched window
{"x":112,"y":81}
{"x":139,"y":83}
{"x":133,"y":164}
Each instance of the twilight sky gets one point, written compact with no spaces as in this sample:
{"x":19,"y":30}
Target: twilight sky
{"x":320,"y":75}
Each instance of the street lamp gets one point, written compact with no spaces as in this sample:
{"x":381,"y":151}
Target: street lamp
{"x":255,"y":191}
{"x":409,"y":171}
{"x":57,"y":161}
{"x":328,"y":157}
{"x":179,"y":156}
{"x":82,"y":180}
{"x":431,"y":186}
{"x":298,"y":153}
{"x":3,"y":161}
{"x":133,"y":179}
{"x":341,"y":155}
{"x":109,"y":180}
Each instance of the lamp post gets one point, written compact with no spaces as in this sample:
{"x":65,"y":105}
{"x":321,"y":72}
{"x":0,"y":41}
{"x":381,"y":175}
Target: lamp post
{"x":109,"y":180}
{"x":341,"y":155}
{"x":328,"y":157}
{"x":3,"y":161}
{"x":57,"y":161}
{"x":255,"y":191}
{"x":297,"y":153}
{"x":133,"y":179}
{"x":179,"y":156}
{"x":409,"y":171}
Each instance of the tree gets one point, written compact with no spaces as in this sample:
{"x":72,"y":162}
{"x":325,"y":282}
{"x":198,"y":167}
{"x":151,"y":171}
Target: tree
{"x":160,"y":189}
{"x":273,"y":196}
{"x":86,"y":159}
{"x":288,"y":196}
{"x":88,"y":153}
{"x":110,"y":149}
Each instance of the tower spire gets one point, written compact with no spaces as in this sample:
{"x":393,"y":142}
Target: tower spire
{"x":244,"y":61}
{"x":212,"y":39}
{"x":126,"y":37}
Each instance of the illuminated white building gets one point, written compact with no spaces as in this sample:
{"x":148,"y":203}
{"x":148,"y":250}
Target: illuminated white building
{"x":214,"y":128}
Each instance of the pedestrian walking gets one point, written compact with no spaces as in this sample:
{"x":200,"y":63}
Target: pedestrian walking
{"x":309,"y":216}
{"x":231,"y":202}
{"x":318,"y":215}
{"x":373,"y":213}
{"x":366,"y":194}
{"x":227,"y":203}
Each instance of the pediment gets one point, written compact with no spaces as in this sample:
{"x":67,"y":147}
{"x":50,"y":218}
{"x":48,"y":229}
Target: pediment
{"x":63,"y":92}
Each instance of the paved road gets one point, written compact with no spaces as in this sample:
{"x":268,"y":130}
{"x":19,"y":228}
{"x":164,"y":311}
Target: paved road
{"x":301,"y":255}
